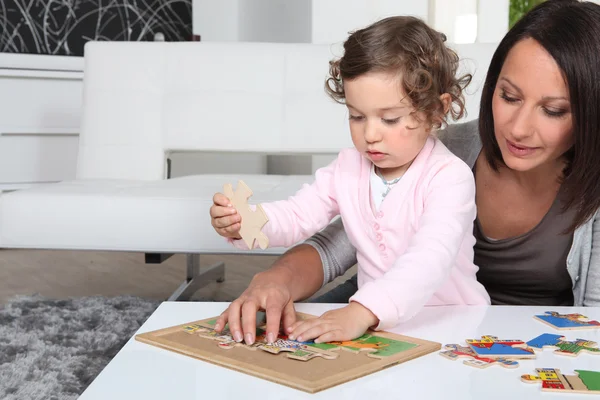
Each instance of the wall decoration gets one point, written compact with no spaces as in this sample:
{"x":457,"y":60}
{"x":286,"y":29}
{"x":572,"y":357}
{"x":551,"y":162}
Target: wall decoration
{"x":62,"y":27}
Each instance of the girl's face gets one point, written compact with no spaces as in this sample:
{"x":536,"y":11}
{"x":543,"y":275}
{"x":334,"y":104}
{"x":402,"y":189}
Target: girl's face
{"x":531,"y":108}
{"x":380,"y":122}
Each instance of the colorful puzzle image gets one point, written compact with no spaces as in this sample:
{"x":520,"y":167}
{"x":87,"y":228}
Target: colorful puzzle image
{"x":492,"y":347}
{"x":454,"y":352}
{"x":567,"y":321}
{"x":306,"y":366}
{"x":252,"y":219}
{"x":563,"y":346}
{"x":370,"y":344}
{"x":553,"y":380}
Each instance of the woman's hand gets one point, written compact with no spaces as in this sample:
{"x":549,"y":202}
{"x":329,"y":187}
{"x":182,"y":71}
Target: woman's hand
{"x":263,"y":293}
{"x":224,"y":217}
{"x":346,"y":323}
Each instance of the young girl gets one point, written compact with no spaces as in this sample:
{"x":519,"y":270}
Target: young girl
{"x":407,"y":203}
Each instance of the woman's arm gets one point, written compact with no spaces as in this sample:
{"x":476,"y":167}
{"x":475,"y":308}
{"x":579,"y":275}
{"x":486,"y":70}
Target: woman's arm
{"x":296,"y":275}
{"x":592,"y":292}
{"x":337,"y":254}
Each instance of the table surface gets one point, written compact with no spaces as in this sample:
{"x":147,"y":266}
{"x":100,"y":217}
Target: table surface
{"x":141,"y":371}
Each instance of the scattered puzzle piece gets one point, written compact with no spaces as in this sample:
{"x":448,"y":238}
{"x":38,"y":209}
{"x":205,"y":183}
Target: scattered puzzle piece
{"x":554,"y":381}
{"x":492,"y":347}
{"x":454,"y":352}
{"x":567,"y":321}
{"x":252,"y":220}
{"x":563,"y":346}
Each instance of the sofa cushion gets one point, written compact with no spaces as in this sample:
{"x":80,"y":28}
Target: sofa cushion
{"x":147,"y":216}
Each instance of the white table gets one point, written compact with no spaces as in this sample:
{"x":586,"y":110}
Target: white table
{"x":141,"y":371}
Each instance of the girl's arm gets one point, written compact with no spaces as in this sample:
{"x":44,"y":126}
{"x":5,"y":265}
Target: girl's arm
{"x":592,"y":292}
{"x":303,"y":214}
{"x":337,"y":254}
{"x":425,"y":265}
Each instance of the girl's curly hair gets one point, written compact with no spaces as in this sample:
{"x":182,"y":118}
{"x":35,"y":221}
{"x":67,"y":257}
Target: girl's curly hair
{"x":408,"y":47}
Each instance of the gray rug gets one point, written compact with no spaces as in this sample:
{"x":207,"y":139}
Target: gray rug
{"x":53,"y":349}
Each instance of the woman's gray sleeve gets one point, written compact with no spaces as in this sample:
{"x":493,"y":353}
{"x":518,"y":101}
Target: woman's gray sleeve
{"x":337,"y":253}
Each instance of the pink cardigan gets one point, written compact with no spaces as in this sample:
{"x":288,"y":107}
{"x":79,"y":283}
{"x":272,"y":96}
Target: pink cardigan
{"x":416,"y":250}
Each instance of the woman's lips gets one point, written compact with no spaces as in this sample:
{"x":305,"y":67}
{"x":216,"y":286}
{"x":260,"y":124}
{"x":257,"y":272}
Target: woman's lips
{"x":519,"y":150}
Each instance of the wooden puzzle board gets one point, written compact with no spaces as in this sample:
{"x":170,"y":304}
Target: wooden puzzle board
{"x":310,"y":376}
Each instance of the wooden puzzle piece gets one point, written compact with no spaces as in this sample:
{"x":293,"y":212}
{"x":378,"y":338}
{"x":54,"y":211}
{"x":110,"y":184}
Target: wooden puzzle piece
{"x":296,"y":350}
{"x":562,"y":345}
{"x":567,"y":321}
{"x":454,"y":352}
{"x":375,"y":346}
{"x":492,"y":347}
{"x":587,"y":382}
{"x":252,"y":220}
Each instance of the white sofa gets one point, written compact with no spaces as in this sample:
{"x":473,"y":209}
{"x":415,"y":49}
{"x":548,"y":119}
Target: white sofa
{"x":142,"y":101}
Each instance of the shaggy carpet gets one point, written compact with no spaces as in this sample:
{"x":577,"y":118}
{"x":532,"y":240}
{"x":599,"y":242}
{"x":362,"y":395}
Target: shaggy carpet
{"x":53,"y":349}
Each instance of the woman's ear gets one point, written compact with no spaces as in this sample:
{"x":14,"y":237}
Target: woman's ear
{"x":446,"y":101}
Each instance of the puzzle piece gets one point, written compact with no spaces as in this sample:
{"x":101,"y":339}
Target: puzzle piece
{"x":567,"y":321}
{"x":296,"y":350}
{"x":454,"y":352}
{"x":554,"y":381}
{"x":252,"y":220}
{"x":375,"y":346}
{"x":492,"y":347}
{"x":563,"y":346}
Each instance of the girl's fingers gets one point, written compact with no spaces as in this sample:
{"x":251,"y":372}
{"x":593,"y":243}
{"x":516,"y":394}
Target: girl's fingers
{"x":314,"y":332}
{"x":221,"y":200}
{"x":220,"y":212}
{"x":329,"y":336}
{"x":301,"y":327}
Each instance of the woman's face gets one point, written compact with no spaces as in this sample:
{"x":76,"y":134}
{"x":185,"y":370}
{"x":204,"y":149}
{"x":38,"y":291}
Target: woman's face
{"x":531,"y":108}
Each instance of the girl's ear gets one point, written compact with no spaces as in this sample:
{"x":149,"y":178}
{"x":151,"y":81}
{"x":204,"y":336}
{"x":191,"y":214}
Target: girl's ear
{"x":446,"y":100}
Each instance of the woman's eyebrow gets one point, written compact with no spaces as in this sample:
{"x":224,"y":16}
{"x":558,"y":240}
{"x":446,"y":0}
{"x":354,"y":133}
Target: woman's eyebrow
{"x":545,"y":98}
{"x":511,"y":84}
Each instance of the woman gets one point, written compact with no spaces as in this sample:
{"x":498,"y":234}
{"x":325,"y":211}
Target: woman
{"x":534,"y":154}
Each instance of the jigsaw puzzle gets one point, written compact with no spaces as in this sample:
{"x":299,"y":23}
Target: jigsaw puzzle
{"x":252,"y":219}
{"x":492,"y":347}
{"x":302,"y":351}
{"x":553,"y":380}
{"x":562,"y":346}
{"x":567,"y":321}
{"x":370,"y":344}
{"x":306,"y":366}
{"x":454,"y":352}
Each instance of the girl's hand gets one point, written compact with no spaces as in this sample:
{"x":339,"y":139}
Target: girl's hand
{"x":346,"y":323}
{"x":224,"y":218}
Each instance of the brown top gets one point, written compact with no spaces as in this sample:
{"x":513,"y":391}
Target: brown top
{"x":529,"y":269}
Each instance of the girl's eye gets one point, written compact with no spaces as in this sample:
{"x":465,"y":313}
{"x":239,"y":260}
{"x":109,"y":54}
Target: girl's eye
{"x":507,"y":98}
{"x":391,"y":121}
{"x":356,"y":117}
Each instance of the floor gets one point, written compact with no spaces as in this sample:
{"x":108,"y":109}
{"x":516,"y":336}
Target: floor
{"x":64,"y":274}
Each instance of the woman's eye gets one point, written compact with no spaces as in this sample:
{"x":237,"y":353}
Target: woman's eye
{"x":356,"y":117}
{"x":507,"y":98}
{"x":554,"y":113}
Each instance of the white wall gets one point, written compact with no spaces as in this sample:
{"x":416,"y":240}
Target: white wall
{"x":332,"y":20}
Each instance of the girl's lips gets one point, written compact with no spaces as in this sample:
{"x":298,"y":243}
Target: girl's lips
{"x":518,"y":150}
{"x":375,"y":155}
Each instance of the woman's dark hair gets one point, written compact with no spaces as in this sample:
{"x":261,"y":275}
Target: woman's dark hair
{"x":569,"y":30}
{"x":405,"y":46}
